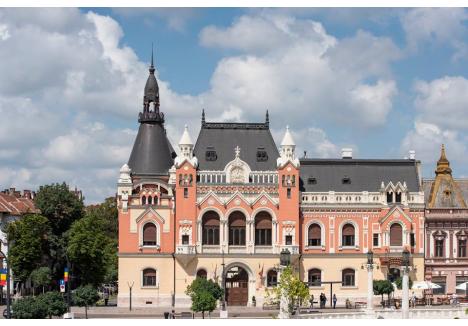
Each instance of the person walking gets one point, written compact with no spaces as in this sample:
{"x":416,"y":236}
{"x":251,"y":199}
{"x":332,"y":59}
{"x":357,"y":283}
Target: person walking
{"x":311,"y":301}
{"x":106,"y":296}
{"x":324,"y":300}
{"x":334,"y":301}
{"x":321,"y":300}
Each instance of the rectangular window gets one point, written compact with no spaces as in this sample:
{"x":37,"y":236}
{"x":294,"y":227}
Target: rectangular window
{"x":288,"y":192}
{"x":314,"y":242}
{"x":375,"y":240}
{"x":288,"y":240}
{"x":412,"y":240}
{"x":348,"y":241}
{"x":398,"y":197}
{"x":185,"y":192}
{"x":439,"y":248}
{"x":185,"y":239}
{"x":389,"y":197}
{"x":263,"y":237}
{"x":210,"y":235}
{"x":211,"y":155}
{"x":441,"y":281}
{"x":460,"y":280}
{"x":461,"y":248}
{"x":237,"y":236}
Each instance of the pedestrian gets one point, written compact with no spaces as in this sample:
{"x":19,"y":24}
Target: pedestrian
{"x":106,"y":296}
{"x":413,"y":300}
{"x":311,"y":301}
{"x":334,"y":301}
{"x":324,"y":300}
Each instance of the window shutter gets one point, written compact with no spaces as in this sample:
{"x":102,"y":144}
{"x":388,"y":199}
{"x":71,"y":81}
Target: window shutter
{"x":149,"y":272}
{"x":396,"y":235}
{"x":211,"y":219}
{"x":237,"y":219}
{"x":263,"y":221}
{"x":348,"y":229}
{"x":315,"y":231}
{"x":149,"y":233}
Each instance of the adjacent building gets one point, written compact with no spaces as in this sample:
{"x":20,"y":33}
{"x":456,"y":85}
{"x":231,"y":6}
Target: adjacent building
{"x":230,"y":202}
{"x":446,"y":229}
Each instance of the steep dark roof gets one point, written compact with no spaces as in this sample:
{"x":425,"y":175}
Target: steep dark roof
{"x":224,"y":137}
{"x":152,"y":153}
{"x":363,"y":174}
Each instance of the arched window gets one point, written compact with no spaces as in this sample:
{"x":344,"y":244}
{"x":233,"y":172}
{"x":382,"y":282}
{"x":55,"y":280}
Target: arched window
{"x":347,"y":235}
{"x":237,"y":229}
{"x":272,"y":278}
{"x":155,"y":201}
{"x":202,"y":273}
{"x":210,"y":228}
{"x":149,"y":277}
{"x":314,"y":277}
{"x":263,"y":226}
{"x":396,"y":235}
{"x":149,"y":234}
{"x":348,"y":277}
{"x":315,"y":235}
{"x":389,"y":197}
{"x":150,"y":200}
{"x":439,"y":247}
{"x":143,"y":200}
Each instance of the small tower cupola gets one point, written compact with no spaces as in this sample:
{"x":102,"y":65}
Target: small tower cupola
{"x":287,"y":150}
{"x":443,"y":164}
{"x":124,"y":176}
{"x":186,"y":149}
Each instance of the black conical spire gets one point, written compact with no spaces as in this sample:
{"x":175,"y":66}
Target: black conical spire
{"x":151,"y":96}
{"x":203,"y":117}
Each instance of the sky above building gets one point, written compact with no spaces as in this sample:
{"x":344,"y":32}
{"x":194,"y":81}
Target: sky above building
{"x":381,"y":81}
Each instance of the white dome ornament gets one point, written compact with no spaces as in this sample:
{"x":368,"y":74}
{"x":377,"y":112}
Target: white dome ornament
{"x":186,"y":150}
{"x":287,"y":151}
{"x":124,"y":177}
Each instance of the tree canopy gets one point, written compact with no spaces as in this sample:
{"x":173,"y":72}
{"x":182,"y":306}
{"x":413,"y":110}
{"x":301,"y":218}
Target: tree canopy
{"x":204,"y":294}
{"x":28,"y":244}
{"x":399,"y":283}
{"x":382,"y":287}
{"x":85,"y":296}
{"x":41,"y":277}
{"x":54,"y":302}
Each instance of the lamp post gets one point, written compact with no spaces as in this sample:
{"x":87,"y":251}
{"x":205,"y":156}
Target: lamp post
{"x":8,"y":284}
{"x":370,"y":280}
{"x":285,"y":261}
{"x":223,"y":313}
{"x":405,"y":298}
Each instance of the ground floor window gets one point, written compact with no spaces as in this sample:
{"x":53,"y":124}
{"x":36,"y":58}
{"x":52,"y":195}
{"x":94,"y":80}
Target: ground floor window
{"x":202,"y":273}
{"x":314,"y":277}
{"x":149,"y":277}
{"x":442,"y":282}
{"x":461,"y":280}
{"x":348,"y":277}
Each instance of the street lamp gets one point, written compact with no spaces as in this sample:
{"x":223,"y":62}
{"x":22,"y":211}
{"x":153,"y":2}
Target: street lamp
{"x":285,"y":261}
{"x":223,"y":283}
{"x":370,"y":280}
{"x":405,"y":262}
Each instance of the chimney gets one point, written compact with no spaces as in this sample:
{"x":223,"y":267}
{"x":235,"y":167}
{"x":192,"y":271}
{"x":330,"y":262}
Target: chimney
{"x":27,"y":194}
{"x":412,"y":154}
{"x":11,"y":191}
{"x":347,"y":153}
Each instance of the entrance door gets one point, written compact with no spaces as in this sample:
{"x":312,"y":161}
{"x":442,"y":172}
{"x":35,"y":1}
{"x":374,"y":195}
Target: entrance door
{"x":237,"y":283}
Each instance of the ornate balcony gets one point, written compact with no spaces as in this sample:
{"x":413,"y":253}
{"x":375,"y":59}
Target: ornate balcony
{"x":293,"y":249}
{"x":185,"y":253}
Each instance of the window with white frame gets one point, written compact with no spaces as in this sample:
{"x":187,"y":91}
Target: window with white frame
{"x":348,"y":235}
{"x":149,"y":277}
{"x":150,"y":235}
{"x":348,"y":277}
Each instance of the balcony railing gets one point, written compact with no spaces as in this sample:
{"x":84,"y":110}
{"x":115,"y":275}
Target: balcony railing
{"x":186,"y":250}
{"x":293,"y":249}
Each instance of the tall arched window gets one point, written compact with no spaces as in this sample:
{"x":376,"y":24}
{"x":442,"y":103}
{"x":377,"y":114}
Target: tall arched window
{"x":314,"y":277}
{"x":210,"y":228}
{"x":150,"y":200}
{"x":348,"y":277}
{"x":149,"y":277}
{"x":396,"y":235}
{"x":155,"y":201}
{"x":263,"y":226}
{"x":347,"y":235}
{"x":202,"y":273}
{"x":149,"y":234}
{"x":237,"y":229}
{"x":143,"y":200}
{"x":272,"y":278}
{"x":315,"y":235}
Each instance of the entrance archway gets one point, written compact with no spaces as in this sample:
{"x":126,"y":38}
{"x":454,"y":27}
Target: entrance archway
{"x":237,"y":286}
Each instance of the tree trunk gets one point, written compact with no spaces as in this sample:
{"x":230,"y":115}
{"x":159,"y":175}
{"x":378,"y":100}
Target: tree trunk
{"x":43,"y":289}
{"x":86,"y":312}
{"x":203,"y":314}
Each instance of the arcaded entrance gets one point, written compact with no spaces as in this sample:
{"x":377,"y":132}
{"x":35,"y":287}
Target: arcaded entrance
{"x":237,"y":286}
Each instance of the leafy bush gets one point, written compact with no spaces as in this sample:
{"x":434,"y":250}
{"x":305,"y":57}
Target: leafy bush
{"x":54,"y":302}
{"x":204,"y":294}
{"x":29,"y":308}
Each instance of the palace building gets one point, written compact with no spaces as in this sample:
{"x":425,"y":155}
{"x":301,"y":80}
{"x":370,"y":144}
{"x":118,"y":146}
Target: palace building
{"x":233,"y":200}
{"x":446,"y":258}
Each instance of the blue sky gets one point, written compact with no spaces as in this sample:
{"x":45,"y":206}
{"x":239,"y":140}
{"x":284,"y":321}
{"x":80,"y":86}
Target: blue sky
{"x":382,"y":81}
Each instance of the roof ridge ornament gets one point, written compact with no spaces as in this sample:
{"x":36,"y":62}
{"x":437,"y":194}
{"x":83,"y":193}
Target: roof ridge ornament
{"x":151,"y":102}
{"x":237,"y":151}
{"x":443,"y":164}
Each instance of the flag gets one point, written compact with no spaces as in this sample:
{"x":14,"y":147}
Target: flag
{"x":65,"y":275}
{"x":3,"y":277}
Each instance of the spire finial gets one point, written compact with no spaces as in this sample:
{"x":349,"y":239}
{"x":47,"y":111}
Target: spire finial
{"x":267,"y":119}
{"x":151,"y":68}
{"x":443,"y":164}
{"x":203,"y":117}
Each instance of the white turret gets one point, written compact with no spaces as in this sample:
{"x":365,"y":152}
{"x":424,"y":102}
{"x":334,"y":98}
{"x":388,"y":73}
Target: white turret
{"x":287,"y":150}
{"x":186,"y":150}
{"x":124,"y":177}
{"x":124,"y":186}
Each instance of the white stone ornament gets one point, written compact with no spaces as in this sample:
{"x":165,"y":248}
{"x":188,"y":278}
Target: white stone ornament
{"x":237,"y":171}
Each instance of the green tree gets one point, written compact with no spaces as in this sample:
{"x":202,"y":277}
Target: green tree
{"x":85,"y":296}
{"x":293,"y":288}
{"x":28,"y":244}
{"x":204,"y":294}
{"x":59,"y":205}
{"x":41,"y":277}
{"x":54,"y":302}
{"x":399,"y":283}
{"x":88,"y":249}
{"x":382,"y":287}
{"x":29,"y":308}
{"x":108,"y":213}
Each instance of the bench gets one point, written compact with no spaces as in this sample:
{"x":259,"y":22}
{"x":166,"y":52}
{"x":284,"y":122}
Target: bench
{"x":270,"y":306}
{"x":183,"y":315}
{"x":359,"y":304}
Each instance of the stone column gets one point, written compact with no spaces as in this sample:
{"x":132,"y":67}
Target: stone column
{"x":370,"y":287}
{"x":405,"y":296}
